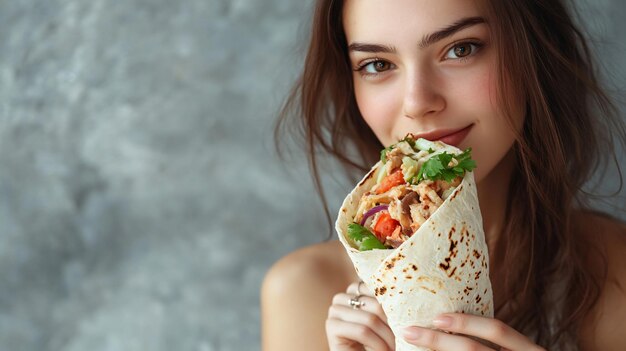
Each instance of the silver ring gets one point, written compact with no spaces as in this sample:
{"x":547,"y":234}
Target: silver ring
{"x":355,"y":303}
{"x":358,"y":287}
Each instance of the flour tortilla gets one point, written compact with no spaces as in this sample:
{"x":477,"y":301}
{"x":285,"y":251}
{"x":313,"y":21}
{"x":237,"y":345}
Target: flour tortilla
{"x":443,"y":267}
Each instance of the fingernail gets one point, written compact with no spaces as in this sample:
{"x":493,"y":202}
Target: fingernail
{"x":412,"y":333}
{"x":442,"y":322}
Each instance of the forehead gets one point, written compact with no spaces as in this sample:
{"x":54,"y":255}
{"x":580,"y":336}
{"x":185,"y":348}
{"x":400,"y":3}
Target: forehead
{"x":387,"y":20}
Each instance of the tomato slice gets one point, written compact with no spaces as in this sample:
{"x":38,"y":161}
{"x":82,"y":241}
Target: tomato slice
{"x":394,"y":179}
{"x":385,"y":226}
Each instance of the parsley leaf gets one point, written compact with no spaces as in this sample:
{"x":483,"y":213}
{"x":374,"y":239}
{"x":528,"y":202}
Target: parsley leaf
{"x":437,"y":167}
{"x":363,"y":238}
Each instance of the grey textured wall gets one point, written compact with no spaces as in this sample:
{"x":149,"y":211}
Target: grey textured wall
{"x":140,"y":200}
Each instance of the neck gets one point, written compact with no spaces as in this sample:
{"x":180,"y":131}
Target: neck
{"x":493,"y":192}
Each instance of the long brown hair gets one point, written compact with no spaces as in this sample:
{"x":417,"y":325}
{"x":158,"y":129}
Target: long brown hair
{"x":565,"y":139}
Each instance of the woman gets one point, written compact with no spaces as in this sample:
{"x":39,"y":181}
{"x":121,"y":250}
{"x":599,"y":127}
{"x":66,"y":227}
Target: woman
{"x":511,"y":79}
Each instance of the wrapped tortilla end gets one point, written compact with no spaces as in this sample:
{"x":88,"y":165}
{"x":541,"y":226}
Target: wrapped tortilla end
{"x":442,"y":267}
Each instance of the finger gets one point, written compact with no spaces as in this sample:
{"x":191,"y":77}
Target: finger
{"x":372,"y":321}
{"x":363,"y":289}
{"x":485,"y":328}
{"x":370,"y":304}
{"x":438,"y":340}
{"x":346,"y":333}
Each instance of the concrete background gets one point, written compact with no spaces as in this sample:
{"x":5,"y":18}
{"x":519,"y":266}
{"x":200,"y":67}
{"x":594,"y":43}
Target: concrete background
{"x":140,"y":199}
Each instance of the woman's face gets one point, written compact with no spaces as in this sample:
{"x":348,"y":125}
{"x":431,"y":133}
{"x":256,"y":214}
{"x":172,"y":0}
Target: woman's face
{"x":428,"y":67}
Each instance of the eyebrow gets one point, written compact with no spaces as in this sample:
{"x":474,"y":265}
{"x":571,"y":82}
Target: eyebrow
{"x":426,"y":41}
{"x":463,"y":23}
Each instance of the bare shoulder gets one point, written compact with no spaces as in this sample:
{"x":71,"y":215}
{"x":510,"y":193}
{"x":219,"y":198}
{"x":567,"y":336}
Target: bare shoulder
{"x":603,"y":327}
{"x":297,"y":292}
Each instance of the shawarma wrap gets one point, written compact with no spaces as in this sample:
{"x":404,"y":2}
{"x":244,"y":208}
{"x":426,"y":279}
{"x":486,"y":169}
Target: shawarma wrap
{"x":413,"y":230}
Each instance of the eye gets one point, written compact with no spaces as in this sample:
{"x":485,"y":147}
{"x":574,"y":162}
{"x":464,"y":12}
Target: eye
{"x":377,"y":66}
{"x":374,"y":67}
{"x":462,"y":50}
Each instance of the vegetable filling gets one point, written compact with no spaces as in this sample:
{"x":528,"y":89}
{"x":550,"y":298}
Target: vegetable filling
{"x":413,"y":181}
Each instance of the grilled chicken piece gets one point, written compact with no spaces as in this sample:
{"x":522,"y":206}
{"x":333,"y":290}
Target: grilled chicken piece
{"x":417,"y":217}
{"x":442,"y":185}
{"x":427,"y":192}
{"x":396,"y":239}
{"x":370,"y":200}
{"x":407,"y":218}
{"x":396,"y":211}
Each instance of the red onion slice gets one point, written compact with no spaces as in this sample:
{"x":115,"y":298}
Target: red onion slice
{"x":372,"y":211}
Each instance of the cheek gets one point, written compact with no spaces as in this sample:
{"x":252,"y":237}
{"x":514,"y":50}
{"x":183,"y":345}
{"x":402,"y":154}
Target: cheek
{"x":487,"y":93}
{"x":478,"y":91}
{"x":495,"y":135}
{"x":490,"y":86}
{"x":378,"y":106}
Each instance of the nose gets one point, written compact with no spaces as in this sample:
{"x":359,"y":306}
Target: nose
{"x":422,"y":96}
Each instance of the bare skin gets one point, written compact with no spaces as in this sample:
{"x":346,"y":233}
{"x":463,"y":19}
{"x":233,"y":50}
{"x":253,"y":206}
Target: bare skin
{"x":299,"y":290}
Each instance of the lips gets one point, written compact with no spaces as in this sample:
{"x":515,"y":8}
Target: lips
{"x":452,"y":137}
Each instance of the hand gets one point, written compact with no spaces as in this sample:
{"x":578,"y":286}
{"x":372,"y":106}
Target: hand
{"x":358,"y":329}
{"x":485,"y":328}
